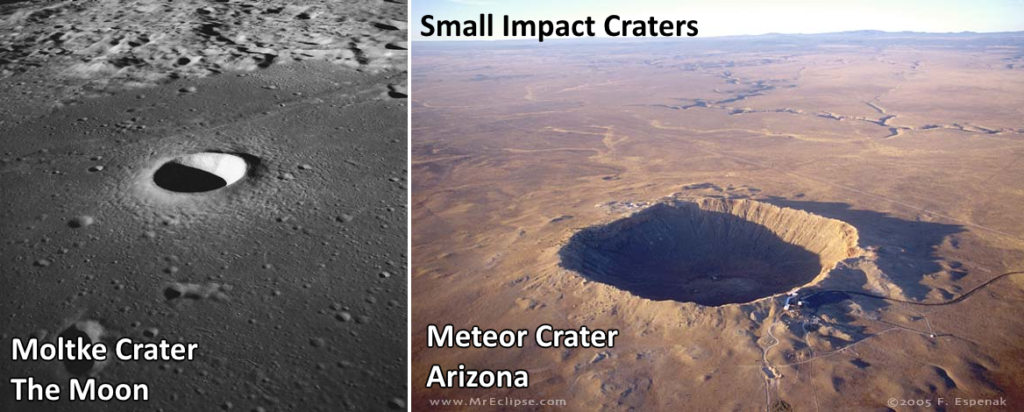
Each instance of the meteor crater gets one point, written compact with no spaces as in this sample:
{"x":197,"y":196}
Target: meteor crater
{"x":711,"y":252}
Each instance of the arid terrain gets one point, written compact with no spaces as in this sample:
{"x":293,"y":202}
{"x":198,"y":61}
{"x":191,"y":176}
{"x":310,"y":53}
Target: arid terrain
{"x":676,"y":190}
{"x":225,"y":173}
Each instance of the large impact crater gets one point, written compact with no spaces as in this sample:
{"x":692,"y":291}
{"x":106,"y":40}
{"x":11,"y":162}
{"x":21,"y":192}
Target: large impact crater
{"x":711,"y":251}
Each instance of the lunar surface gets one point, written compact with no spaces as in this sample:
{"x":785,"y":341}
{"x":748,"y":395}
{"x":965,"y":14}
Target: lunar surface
{"x":678,"y":191}
{"x":230,"y":174}
{"x":77,"y":50}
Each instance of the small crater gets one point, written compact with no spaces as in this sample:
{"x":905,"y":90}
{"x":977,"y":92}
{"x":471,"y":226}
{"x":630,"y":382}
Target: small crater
{"x":81,"y":221}
{"x":396,"y":404}
{"x":173,"y":292}
{"x":193,"y":291}
{"x":397,"y":91}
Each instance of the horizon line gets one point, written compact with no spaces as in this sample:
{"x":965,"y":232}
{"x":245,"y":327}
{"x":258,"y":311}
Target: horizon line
{"x":525,"y":38}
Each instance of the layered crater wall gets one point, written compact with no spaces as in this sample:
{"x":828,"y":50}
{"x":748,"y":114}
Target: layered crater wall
{"x":711,"y":251}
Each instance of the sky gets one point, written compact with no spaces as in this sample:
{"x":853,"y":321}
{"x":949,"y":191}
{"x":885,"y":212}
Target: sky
{"x":726,"y":18}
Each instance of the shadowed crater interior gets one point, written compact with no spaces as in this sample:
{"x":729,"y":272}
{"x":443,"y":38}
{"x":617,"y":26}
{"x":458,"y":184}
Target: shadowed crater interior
{"x":77,"y":367}
{"x":200,"y":172}
{"x":711,"y":252}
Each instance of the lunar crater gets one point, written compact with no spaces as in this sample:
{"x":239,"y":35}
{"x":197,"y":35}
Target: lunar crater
{"x":201,"y":172}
